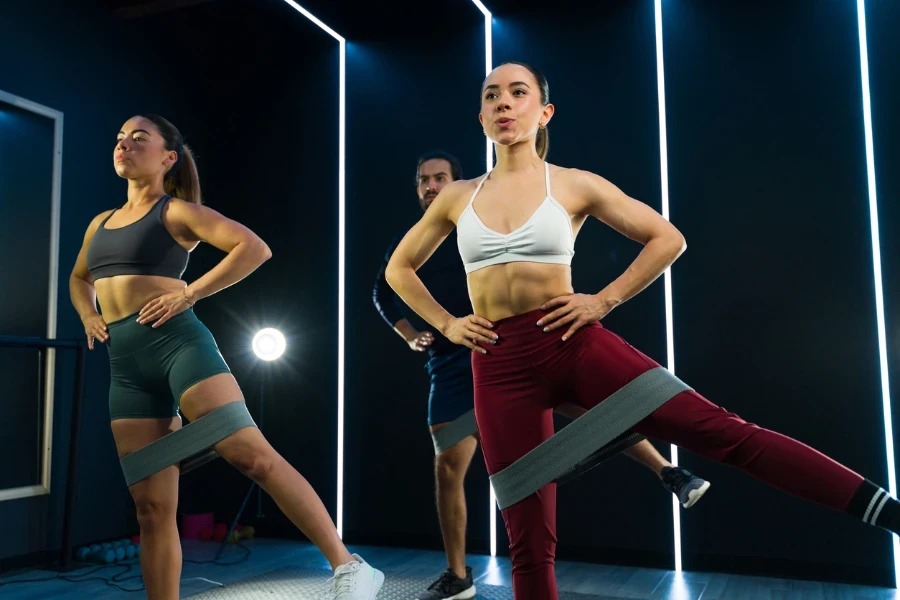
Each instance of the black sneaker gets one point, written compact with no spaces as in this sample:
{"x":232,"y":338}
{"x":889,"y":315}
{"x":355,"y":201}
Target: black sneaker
{"x":685,"y":485}
{"x":450,"y":587}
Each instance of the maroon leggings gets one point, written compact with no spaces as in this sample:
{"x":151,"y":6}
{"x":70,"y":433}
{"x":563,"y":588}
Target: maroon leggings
{"x":528,"y":373}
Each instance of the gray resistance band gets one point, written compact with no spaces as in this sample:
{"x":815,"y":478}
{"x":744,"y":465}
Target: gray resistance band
{"x":191,"y":444}
{"x":620,"y":444}
{"x":599,"y":426}
{"x":454,"y":432}
{"x":459,"y":429}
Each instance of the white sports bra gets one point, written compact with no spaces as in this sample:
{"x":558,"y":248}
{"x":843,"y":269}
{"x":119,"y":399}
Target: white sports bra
{"x":546,"y":237}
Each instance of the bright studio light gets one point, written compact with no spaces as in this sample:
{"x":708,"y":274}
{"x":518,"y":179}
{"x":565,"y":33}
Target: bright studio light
{"x":269,"y":344}
{"x":342,"y":136}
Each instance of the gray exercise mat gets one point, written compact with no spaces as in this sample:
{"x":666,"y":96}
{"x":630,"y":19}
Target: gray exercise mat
{"x":294,"y":583}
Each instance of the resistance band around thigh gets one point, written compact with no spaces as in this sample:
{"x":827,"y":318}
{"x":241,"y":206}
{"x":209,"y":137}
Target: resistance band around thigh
{"x":454,"y":432}
{"x":191,"y":446}
{"x":582,"y":443}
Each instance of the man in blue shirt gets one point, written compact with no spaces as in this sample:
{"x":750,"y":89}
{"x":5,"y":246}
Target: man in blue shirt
{"x":451,"y":398}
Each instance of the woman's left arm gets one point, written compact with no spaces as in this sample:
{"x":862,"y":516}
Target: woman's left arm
{"x":662,"y":242}
{"x":245,"y":253}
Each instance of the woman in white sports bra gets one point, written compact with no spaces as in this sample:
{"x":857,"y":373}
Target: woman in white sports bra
{"x":537,"y":344}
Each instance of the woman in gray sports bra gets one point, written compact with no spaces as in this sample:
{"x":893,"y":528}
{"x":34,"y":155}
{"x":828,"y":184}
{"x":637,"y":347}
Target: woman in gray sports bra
{"x":163,"y":360}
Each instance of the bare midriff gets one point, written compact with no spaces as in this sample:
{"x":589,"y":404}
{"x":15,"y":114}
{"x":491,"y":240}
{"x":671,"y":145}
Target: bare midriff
{"x":124,"y":295}
{"x":509,"y":289}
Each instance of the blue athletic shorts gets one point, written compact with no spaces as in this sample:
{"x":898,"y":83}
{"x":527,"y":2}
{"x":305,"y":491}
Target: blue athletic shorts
{"x":452,"y":392}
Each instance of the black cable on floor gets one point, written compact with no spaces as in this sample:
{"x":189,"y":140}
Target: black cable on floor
{"x":112,"y":581}
{"x":116,"y":579}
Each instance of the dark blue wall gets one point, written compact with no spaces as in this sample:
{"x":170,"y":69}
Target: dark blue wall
{"x":773,"y":300}
{"x":406,"y":96}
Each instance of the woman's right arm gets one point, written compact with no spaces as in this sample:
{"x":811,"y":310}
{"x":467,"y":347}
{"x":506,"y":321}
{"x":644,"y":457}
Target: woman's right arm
{"x":82,"y":292}
{"x":414,"y":250}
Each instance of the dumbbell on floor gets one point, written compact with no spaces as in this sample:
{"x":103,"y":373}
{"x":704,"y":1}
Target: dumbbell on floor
{"x":108,"y":552}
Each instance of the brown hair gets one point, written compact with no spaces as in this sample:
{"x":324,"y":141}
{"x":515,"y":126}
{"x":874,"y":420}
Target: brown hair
{"x":182,"y":181}
{"x":542,"y":140}
{"x":455,"y":167}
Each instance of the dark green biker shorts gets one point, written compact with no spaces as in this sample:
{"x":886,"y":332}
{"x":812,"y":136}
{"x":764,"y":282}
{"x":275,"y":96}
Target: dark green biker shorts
{"x":151,"y":368}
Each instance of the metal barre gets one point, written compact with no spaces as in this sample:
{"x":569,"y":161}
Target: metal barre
{"x":20,"y":341}
{"x":80,"y":346}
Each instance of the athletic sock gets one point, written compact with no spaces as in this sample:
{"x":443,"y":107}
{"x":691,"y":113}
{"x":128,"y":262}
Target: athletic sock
{"x":876,"y":507}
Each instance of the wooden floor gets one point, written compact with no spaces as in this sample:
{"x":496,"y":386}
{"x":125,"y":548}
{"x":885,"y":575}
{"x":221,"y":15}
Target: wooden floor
{"x":268,"y":555}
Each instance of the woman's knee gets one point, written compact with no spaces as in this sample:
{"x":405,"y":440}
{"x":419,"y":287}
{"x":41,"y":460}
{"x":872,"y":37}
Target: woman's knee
{"x":249,"y":453}
{"x":154,"y":511}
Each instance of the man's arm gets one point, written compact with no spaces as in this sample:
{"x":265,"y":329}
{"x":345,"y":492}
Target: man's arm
{"x":387,"y":304}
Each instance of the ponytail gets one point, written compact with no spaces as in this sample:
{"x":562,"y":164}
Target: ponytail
{"x":542,"y":142}
{"x":182,"y":180}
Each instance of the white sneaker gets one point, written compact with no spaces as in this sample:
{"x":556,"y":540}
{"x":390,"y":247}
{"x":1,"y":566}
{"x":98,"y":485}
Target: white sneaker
{"x":356,"y":580}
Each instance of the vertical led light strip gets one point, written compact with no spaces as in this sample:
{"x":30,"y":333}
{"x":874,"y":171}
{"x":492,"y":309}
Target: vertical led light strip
{"x":341,"y":284}
{"x":876,"y":267}
{"x":341,"y":255}
{"x":664,"y":184}
{"x":489,"y":163}
{"x":488,"y":65}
